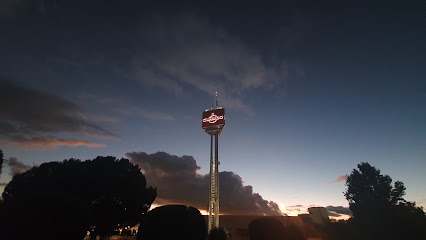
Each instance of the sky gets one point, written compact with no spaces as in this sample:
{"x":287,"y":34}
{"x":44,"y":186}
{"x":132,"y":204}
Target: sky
{"x":310,"y":89}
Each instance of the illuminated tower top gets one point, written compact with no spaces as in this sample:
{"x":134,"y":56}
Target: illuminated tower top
{"x":213,"y":120}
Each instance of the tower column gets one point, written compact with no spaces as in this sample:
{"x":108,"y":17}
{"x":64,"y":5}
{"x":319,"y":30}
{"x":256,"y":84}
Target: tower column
{"x":214,"y":183}
{"x":212,"y":187}
{"x":216,"y":210}
{"x":213,"y":122}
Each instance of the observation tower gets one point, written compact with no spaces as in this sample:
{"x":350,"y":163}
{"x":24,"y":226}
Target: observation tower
{"x":213,"y":121}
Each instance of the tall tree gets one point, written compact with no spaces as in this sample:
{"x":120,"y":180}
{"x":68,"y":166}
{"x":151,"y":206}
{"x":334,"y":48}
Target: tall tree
{"x":369,"y":191}
{"x":379,"y":209}
{"x":62,"y":200}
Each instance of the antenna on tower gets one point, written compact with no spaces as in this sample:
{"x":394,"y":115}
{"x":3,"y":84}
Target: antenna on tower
{"x":217,"y":103}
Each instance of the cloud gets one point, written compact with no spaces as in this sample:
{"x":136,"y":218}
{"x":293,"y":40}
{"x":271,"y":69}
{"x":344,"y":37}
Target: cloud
{"x":338,"y":211}
{"x":186,"y":50}
{"x":125,"y":108}
{"x":29,"y":118}
{"x":49,"y":141}
{"x":145,"y":113}
{"x":295,"y":210}
{"x":339,"y":179}
{"x":16,"y":166}
{"x":178,"y":181}
{"x":335,"y":212}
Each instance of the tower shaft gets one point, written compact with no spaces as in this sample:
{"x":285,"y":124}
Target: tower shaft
{"x":214,"y":183}
{"x":213,"y":122}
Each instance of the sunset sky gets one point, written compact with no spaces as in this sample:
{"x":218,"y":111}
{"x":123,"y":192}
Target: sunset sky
{"x":310,"y":88}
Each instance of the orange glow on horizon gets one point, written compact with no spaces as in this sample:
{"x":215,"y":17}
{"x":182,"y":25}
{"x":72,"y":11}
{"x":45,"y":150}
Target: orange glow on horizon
{"x":304,"y":210}
{"x":289,"y":211}
{"x":202,"y":211}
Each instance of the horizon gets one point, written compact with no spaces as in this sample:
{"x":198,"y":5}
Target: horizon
{"x":310,"y":91}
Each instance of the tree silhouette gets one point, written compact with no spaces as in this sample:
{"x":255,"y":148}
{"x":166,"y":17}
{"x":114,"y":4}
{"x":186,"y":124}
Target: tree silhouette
{"x":218,"y":234}
{"x":379,"y":209}
{"x":62,"y":200}
{"x":369,"y":191}
{"x":173,"y":222}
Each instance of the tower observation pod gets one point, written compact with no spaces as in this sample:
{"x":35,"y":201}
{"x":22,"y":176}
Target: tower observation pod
{"x":213,"y":121}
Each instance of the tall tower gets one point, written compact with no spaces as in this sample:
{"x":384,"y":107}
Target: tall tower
{"x":213,"y":121}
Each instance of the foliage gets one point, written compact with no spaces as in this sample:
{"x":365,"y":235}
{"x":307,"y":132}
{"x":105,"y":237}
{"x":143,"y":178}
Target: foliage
{"x":218,"y":234}
{"x":173,"y":222}
{"x":379,"y":209}
{"x":61,"y":200}
{"x":369,"y":191}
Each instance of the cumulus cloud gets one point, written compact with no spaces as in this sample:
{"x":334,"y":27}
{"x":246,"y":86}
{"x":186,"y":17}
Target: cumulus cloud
{"x":178,"y":181}
{"x":30,"y":117}
{"x":339,"y":179}
{"x":338,"y":211}
{"x":16,"y":166}
{"x":187,"y":50}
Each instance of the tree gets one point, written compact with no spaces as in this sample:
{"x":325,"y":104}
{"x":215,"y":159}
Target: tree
{"x":379,"y":209}
{"x":62,"y":200}
{"x":369,"y":191}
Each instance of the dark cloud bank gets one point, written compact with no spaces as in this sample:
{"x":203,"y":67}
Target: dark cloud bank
{"x":175,"y":48}
{"x":30,"y":118}
{"x":177,"y":181}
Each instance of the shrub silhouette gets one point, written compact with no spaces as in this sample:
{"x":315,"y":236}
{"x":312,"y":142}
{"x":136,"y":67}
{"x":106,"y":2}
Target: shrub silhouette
{"x":173,"y":222}
{"x":218,"y":234}
{"x":266,"y":229}
{"x":272,"y":229}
